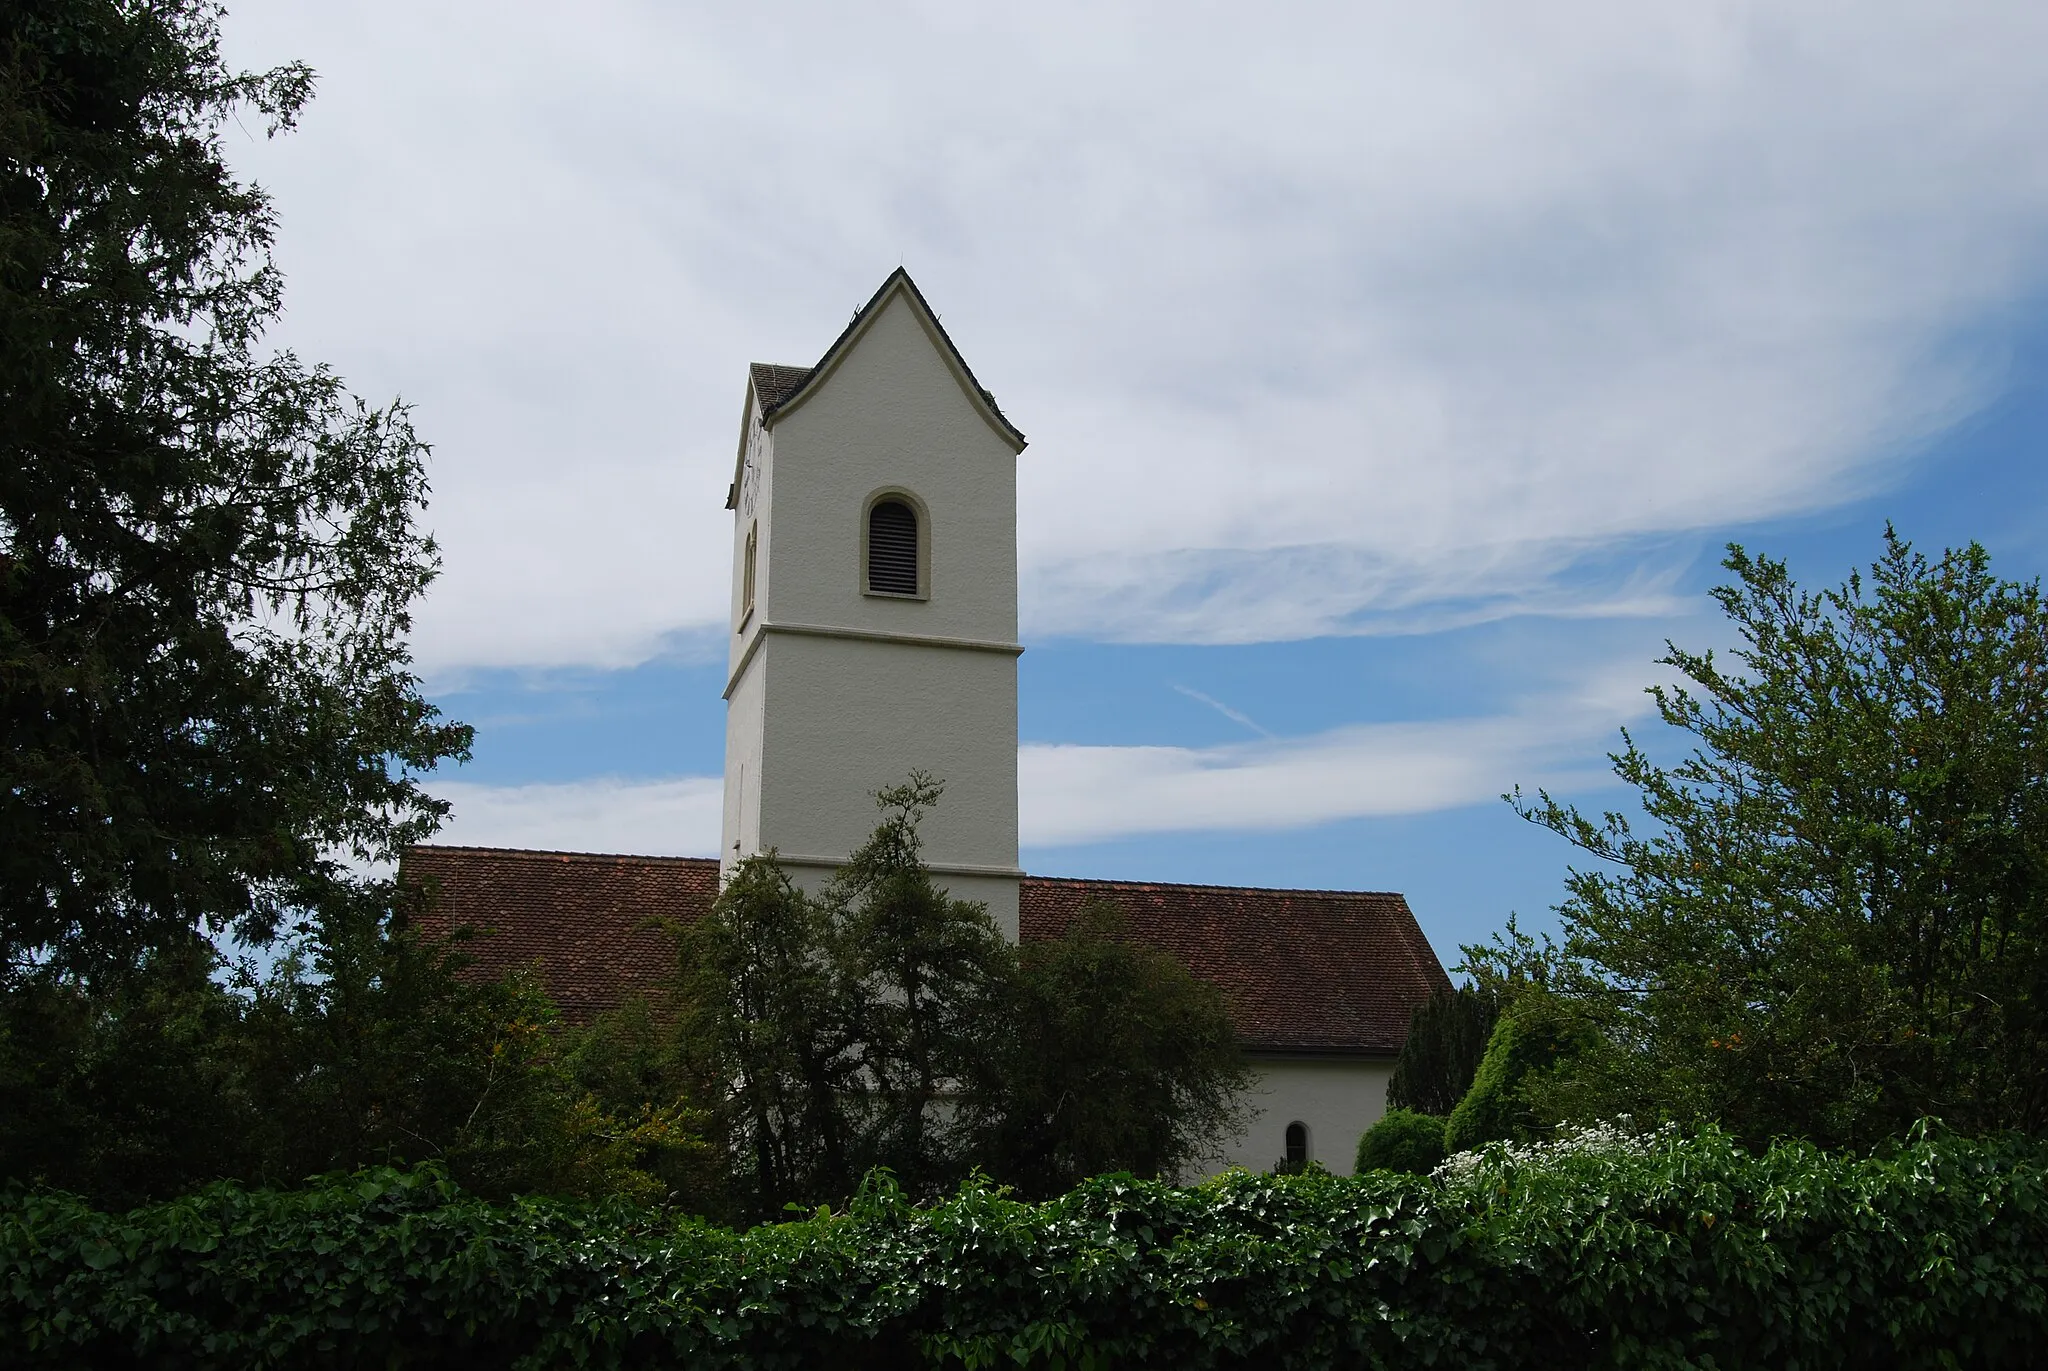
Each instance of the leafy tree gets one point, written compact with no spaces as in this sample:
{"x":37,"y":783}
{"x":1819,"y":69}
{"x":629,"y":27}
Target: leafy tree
{"x":767,"y":1018}
{"x":881,"y":1023}
{"x":1447,"y":1036}
{"x":1533,"y":1040}
{"x":838,"y":1024}
{"x":1112,"y":1057}
{"x":925,"y":975}
{"x":1403,"y":1140}
{"x":355,"y":1048}
{"x":1833,"y":923}
{"x":207,"y":550}
{"x":208,"y":557}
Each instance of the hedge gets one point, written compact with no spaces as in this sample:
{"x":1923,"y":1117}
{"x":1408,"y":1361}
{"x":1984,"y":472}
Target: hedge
{"x":1601,"y":1251}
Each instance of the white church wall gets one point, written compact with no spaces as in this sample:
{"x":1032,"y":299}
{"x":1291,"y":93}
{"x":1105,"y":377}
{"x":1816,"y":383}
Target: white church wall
{"x":754,"y":497}
{"x":1337,"y":1098}
{"x":849,"y":717}
{"x":740,"y":832}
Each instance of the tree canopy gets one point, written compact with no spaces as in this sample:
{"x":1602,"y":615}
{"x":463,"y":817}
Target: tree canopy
{"x":880,"y":1022}
{"x":209,"y":724}
{"x":208,"y":549}
{"x":1834,"y":920}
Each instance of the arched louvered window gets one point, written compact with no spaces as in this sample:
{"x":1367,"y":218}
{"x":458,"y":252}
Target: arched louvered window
{"x":893,"y":548}
{"x":1297,"y":1144}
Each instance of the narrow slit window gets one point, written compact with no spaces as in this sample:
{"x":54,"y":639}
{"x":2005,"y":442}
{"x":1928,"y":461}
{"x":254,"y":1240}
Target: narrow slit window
{"x":892,"y":548}
{"x":747,"y":570}
{"x":1297,"y":1144}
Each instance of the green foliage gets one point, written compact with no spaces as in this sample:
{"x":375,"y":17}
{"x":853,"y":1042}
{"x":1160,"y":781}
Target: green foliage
{"x":1532,"y":1040}
{"x":349,"y":1051}
{"x":1111,"y":1057}
{"x":1402,"y":1140}
{"x":207,"y":550}
{"x":209,"y":723}
{"x":1655,"y":1252}
{"x":927,"y":974}
{"x":1837,"y":919}
{"x":1447,"y":1036}
{"x":882,"y":1023}
{"x":837,"y":1023}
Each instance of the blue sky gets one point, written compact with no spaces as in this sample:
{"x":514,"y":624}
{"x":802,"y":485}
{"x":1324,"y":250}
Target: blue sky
{"x":1391,"y":395}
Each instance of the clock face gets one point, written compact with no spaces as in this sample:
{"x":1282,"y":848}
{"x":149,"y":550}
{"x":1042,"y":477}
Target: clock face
{"x":750,"y":474}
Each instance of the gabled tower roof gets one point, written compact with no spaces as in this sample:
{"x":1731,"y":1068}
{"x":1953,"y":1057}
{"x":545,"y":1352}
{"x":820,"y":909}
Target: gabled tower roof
{"x":781,"y":390}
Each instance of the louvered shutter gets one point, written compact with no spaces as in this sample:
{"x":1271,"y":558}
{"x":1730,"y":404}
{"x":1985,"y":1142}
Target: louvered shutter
{"x":892,"y":548}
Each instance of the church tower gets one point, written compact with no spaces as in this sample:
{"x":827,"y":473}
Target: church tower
{"x":874,"y":608}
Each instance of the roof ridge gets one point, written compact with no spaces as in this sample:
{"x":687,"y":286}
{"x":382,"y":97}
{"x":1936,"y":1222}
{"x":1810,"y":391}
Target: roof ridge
{"x":945,"y":339}
{"x":559,"y":852}
{"x":1196,"y":885}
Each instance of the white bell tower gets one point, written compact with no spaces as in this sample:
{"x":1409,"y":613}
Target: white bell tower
{"x":874,"y":608}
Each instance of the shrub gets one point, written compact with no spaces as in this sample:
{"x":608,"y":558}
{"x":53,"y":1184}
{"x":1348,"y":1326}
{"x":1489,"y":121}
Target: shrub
{"x":1404,"y":1140}
{"x":1605,"y":1250}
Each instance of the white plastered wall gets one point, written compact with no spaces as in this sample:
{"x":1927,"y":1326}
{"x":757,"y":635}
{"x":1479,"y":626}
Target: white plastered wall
{"x":1338,"y":1098}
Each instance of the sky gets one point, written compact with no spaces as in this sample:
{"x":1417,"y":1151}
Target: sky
{"x":1395,"y":375}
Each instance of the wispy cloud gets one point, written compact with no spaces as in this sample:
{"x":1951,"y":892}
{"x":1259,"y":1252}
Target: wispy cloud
{"x":1419,"y":320}
{"x":1081,"y":794}
{"x":1235,"y":716}
{"x":1071,"y":794}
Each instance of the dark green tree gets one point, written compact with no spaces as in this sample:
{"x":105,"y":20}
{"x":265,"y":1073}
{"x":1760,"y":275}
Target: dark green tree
{"x":1535,"y":1039}
{"x":1112,"y":1057}
{"x":768,"y":1020}
{"x":208,"y":551}
{"x":209,"y":724}
{"x":836,"y":1026}
{"x":882,"y":1023}
{"x":1836,"y":918}
{"x":1447,"y":1036}
{"x":351,"y":1049}
{"x":926,"y":975}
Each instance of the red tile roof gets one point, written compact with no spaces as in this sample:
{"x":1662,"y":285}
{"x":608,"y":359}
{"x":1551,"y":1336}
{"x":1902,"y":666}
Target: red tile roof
{"x":1304,"y":970}
{"x":1313,"y":971}
{"x":591,"y":924}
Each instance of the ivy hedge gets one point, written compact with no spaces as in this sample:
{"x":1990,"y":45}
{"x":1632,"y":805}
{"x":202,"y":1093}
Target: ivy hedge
{"x":1597,"y":1251}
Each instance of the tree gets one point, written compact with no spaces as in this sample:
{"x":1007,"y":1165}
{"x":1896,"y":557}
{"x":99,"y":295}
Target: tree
{"x":1833,"y":923}
{"x":209,"y":724}
{"x":767,"y":1022}
{"x":1535,"y":1038}
{"x":1113,"y":1057}
{"x":836,"y":1026}
{"x":882,"y":1023}
{"x":926,"y":975}
{"x":353,"y":1049}
{"x":1447,"y":1036}
{"x":207,"y":551}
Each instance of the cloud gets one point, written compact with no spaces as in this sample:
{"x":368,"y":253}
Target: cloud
{"x":1235,"y":716}
{"x":668,"y":818}
{"x":1072,"y":794}
{"x":1069,"y":793}
{"x":1322,"y":318}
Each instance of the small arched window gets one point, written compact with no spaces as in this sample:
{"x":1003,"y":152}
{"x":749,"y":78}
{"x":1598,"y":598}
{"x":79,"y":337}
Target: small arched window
{"x":893,"y":548}
{"x":1297,"y":1144}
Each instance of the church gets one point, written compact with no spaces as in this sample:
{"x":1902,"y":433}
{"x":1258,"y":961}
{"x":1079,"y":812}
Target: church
{"x":874,"y":631}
